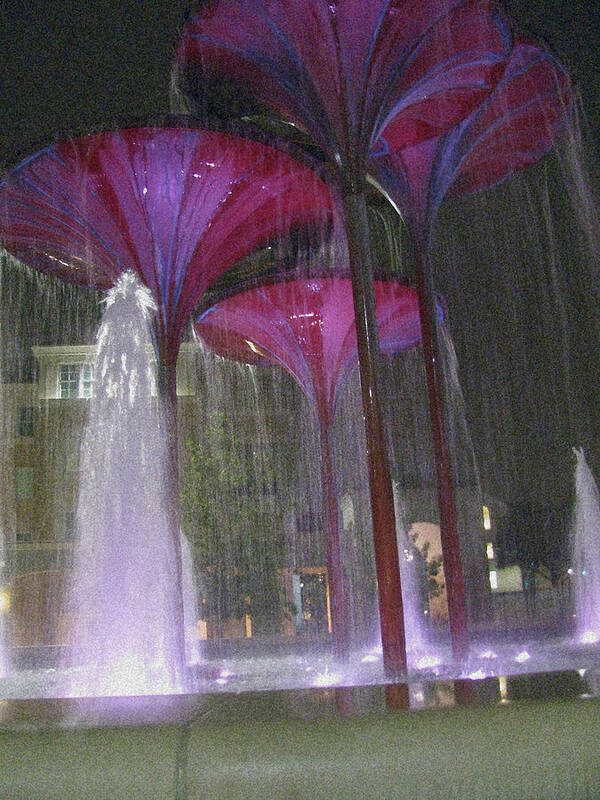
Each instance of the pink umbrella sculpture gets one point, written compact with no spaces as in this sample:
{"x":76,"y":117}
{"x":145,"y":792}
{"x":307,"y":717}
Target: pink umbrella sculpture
{"x":512,"y":129}
{"x":307,"y":326}
{"x":341,"y":71}
{"x":177,"y":205}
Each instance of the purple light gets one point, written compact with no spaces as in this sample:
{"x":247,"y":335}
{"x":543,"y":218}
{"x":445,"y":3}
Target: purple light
{"x":512,"y":129}
{"x":307,"y":326}
{"x":179,"y":206}
{"x":425,"y":65}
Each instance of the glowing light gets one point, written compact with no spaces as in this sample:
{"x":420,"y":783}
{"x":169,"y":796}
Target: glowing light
{"x":57,"y":260}
{"x":369,"y":659}
{"x":221,"y":681}
{"x":503,"y":687}
{"x":253,"y":347}
{"x":487,"y":522}
{"x":477,"y":675}
{"x":489,"y":549}
{"x":589,"y":637}
{"x":226,"y":673}
{"x":493,"y":579}
{"x":426,"y":662}
{"x":4,"y":600}
{"x":569,"y":571}
{"x":522,"y":657}
{"x":327,"y":679}
{"x":488,"y":654}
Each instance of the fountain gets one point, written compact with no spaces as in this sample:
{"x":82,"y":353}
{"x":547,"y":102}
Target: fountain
{"x":176,"y":204}
{"x":448,"y":105}
{"x":87,"y":209}
{"x":307,"y":326}
{"x":124,"y":596}
{"x":585,"y":552}
{"x":423,"y":73}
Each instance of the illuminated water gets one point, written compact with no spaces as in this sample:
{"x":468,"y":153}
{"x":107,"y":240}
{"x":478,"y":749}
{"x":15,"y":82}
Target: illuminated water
{"x":586,"y":552}
{"x":521,"y":314}
{"x":124,"y":595}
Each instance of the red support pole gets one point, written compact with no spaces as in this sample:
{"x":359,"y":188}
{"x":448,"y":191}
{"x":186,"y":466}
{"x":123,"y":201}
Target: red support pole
{"x":335,"y":567}
{"x":167,"y":393}
{"x":453,"y":572}
{"x":382,"y":498}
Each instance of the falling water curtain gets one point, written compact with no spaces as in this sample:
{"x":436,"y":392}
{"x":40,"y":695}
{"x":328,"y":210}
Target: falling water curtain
{"x":342,"y":71}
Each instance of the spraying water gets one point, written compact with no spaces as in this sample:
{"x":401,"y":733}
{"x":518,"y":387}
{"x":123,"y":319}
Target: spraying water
{"x":586,"y":563}
{"x":124,"y":594}
{"x":4,"y":604}
{"x":416,"y":637}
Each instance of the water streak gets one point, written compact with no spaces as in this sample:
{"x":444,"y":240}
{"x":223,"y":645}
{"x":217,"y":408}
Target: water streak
{"x":124,"y":594}
{"x":586,"y":558}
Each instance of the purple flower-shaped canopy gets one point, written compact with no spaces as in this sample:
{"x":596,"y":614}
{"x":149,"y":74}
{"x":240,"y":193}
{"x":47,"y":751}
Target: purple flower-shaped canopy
{"x":512,"y":129}
{"x":307,"y":326}
{"x":343,"y":69}
{"x":179,"y":206}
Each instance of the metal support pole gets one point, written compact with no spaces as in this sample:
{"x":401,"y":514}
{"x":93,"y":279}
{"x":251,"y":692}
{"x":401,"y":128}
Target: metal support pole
{"x":167,"y":393}
{"x":335,"y":567}
{"x":380,"y":483}
{"x":453,"y":572}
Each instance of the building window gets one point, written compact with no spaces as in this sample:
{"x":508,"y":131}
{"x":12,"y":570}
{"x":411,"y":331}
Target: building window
{"x":75,"y":380}
{"x":26,"y":420}
{"x":24,"y":536}
{"x":24,"y":480}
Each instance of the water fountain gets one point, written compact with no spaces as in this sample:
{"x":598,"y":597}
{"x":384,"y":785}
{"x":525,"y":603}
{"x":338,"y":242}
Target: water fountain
{"x":124,"y":597}
{"x":176,"y":204}
{"x":515,"y":109}
{"x":426,"y":116}
{"x":69,"y":212}
{"x":307,"y":326}
{"x":424,"y":72}
{"x":585,"y":552}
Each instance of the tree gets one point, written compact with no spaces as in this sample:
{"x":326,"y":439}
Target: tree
{"x":234,"y":523}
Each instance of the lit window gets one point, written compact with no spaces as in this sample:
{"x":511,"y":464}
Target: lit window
{"x":75,"y":380}
{"x":4,"y":600}
{"x":487,"y":521}
{"x":493,"y":579}
{"x":490,"y":550}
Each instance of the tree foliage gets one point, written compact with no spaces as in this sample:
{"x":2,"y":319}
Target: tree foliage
{"x":231,"y":517}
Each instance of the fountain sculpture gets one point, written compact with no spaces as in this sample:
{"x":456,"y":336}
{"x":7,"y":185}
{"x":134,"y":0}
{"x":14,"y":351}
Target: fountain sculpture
{"x":448,"y":104}
{"x":426,"y":70}
{"x":176,"y":204}
{"x":307,"y":326}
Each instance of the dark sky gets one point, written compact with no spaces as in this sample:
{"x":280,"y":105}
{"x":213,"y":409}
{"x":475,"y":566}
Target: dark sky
{"x":67,"y":65}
